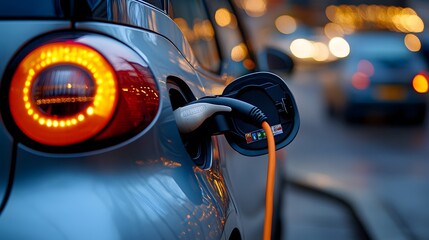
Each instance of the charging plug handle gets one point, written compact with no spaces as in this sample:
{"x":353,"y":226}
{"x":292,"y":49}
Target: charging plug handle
{"x":193,"y":115}
{"x":246,"y":111}
{"x":190,"y":117}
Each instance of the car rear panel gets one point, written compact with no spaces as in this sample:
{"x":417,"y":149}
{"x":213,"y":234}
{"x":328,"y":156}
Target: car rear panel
{"x":144,"y":186}
{"x":151,"y":191}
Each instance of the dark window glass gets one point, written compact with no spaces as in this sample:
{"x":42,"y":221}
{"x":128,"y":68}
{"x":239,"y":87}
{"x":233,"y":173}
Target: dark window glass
{"x":157,"y":3}
{"x":29,"y":8}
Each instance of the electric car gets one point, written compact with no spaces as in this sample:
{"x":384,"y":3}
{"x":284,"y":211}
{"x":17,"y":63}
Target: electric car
{"x":90,"y":142}
{"x":380,"y":78}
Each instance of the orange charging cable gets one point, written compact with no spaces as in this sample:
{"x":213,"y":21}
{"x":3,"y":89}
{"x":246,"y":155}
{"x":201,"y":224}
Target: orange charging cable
{"x":269,"y":188}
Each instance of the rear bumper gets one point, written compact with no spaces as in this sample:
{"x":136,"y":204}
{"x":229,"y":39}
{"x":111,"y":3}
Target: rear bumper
{"x":392,"y":111}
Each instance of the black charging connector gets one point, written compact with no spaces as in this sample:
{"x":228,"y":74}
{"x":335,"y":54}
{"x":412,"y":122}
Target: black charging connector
{"x":243,"y":110}
{"x":213,"y":114}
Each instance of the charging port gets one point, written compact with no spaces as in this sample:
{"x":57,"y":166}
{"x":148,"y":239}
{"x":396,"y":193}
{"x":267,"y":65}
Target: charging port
{"x":199,"y":149}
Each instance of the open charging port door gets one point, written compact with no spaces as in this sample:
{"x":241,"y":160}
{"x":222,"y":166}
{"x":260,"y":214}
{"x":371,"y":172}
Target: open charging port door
{"x":270,"y":94}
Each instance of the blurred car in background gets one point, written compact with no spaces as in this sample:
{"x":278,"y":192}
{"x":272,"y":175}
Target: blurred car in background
{"x":380,"y":78}
{"x":89,"y":144}
{"x":305,"y":44}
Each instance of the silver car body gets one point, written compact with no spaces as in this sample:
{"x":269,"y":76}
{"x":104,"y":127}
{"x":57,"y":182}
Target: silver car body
{"x":144,"y":187}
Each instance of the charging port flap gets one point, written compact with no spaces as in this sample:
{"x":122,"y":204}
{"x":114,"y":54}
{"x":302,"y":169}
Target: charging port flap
{"x":270,"y":94}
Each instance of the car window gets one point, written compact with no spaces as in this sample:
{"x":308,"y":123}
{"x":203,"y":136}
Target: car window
{"x":28,"y":8}
{"x":192,"y":18}
{"x":156,"y":3}
{"x":235,"y":51}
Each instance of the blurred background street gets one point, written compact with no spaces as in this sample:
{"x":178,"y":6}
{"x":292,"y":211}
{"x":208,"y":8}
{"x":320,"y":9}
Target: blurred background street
{"x":385,"y":164}
{"x":359,"y":167}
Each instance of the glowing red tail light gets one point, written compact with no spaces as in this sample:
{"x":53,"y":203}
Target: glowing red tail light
{"x":360,"y":81}
{"x":70,"y":91}
{"x":361,"y":78}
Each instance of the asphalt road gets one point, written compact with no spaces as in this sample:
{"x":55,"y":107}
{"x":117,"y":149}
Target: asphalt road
{"x":381,"y":170}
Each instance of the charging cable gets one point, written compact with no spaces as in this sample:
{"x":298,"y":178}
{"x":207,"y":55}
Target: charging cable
{"x":269,"y":187}
{"x":192,"y":116}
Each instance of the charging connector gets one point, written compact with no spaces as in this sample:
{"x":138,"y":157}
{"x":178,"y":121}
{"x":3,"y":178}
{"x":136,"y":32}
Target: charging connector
{"x":193,"y":115}
{"x":190,"y":117}
{"x":243,"y":110}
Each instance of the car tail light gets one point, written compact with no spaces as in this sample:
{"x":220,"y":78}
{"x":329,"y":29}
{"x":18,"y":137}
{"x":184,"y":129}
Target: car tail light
{"x":420,"y":83}
{"x":87,"y":88}
{"x":360,"y":80}
{"x":366,"y":67}
{"x":362,"y":77}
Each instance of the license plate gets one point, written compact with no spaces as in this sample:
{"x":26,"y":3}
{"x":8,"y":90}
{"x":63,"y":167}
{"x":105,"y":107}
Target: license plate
{"x":390,"y":93}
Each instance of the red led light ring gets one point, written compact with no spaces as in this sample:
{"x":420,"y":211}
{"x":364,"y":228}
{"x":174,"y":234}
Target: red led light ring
{"x":54,"y":130}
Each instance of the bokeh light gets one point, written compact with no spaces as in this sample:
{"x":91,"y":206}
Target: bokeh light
{"x":366,"y":67}
{"x":239,"y":52}
{"x":339,"y":47}
{"x":255,"y":8}
{"x":223,"y":17}
{"x":321,"y":52}
{"x":360,"y":80}
{"x":351,"y":18}
{"x":302,"y":48}
{"x":420,"y":83}
{"x":333,"y":30}
{"x":285,"y":24}
{"x":412,"y":42}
